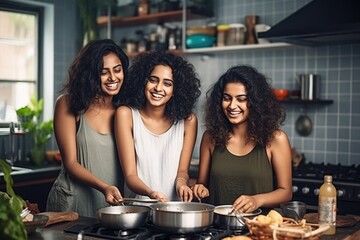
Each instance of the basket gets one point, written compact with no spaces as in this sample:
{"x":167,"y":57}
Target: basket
{"x":289,"y":230}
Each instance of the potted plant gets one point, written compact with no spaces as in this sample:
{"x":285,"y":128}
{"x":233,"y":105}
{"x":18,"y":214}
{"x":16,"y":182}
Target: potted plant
{"x":30,"y":119}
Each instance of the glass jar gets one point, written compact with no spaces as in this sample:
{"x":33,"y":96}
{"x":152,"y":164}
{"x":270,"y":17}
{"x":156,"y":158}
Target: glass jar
{"x":236,"y":34}
{"x":222,"y":31}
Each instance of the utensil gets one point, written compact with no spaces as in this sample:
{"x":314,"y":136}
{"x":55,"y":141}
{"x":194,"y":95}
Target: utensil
{"x":225,"y":216}
{"x":123,"y":217}
{"x":240,"y":218}
{"x":295,"y":210}
{"x":182,"y":217}
{"x":303,"y":125}
{"x":24,"y":212}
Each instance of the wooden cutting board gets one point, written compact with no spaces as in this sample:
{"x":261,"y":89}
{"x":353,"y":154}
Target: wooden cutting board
{"x":56,"y":217}
{"x":341,"y":221}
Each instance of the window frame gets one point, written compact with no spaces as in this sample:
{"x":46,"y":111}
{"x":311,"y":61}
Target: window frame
{"x":45,"y":43}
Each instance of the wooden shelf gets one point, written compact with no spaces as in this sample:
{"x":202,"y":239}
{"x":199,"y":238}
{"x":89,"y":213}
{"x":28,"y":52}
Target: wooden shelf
{"x":170,"y":16}
{"x":236,"y":48}
{"x":307,"y":102}
{"x":222,"y":49}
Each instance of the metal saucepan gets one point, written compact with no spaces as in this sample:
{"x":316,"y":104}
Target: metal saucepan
{"x":123,"y":217}
{"x":223,"y":217}
{"x":182,"y":217}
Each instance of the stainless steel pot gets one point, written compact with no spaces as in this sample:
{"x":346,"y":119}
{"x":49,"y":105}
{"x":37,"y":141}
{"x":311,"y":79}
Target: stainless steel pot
{"x":182,"y":217}
{"x":123,"y":217}
{"x":224,"y":219}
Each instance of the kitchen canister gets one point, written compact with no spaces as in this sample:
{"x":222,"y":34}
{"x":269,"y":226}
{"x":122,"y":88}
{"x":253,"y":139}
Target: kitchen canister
{"x":309,"y":86}
{"x":236,"y":34}
{"x":250,"y":22}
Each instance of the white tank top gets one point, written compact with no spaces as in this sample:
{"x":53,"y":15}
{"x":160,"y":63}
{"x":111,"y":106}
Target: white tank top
{"x":158,"y":156}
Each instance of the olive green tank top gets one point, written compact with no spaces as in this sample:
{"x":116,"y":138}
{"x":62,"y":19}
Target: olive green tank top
{"x":232,"y":176}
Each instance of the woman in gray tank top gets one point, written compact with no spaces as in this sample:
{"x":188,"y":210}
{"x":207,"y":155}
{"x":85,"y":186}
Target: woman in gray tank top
{"x":91,"y":177}
{"x":245,"y":158}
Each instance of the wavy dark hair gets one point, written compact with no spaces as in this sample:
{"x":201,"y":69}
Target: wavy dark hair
{"x":186,"y":83}
{"x":266,"y":114}
{"x":84,"y":85}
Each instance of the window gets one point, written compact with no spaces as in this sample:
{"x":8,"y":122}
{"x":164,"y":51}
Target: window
{"x":20,"y":39}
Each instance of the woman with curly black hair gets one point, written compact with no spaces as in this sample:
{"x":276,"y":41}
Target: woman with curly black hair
{"x":243,"y":145}
{"x":156,"y":130}
{"x":91,"y":176}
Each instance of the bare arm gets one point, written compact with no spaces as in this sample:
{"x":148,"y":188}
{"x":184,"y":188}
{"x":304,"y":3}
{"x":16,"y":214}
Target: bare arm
{"x":206,"y":149}
{"x":279,"y":152}
{"x":65,"y":134}
{"x":182,"y":178}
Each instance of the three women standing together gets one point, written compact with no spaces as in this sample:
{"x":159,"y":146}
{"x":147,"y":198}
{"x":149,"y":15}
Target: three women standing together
{"x":151,"y":130}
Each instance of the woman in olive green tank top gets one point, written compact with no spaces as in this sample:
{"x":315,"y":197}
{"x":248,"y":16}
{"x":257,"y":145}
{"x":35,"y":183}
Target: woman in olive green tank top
{"x":245,"y":158}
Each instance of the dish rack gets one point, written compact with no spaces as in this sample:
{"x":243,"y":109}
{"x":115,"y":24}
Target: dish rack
{"x":289,"y":230}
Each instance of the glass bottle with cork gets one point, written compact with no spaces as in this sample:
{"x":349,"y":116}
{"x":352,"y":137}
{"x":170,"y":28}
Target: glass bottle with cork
{"x":327,"y":205}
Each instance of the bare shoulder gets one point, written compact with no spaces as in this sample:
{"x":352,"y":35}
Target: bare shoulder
{"x":62,"y":105}
{"x":123,"y":112}
{"x":280,"y":136}
{"x":192,"y":119}
{"x":279,"y":144}
{"x":206,"y":140}
{"x":62,"y":100}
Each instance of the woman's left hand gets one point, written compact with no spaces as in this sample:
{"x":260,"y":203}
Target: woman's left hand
{"x":245,"y":204}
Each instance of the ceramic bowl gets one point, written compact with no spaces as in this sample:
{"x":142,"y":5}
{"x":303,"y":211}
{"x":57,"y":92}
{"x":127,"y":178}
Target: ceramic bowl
{"x":280,"y":93}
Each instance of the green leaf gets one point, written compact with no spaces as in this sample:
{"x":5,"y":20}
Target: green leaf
{"x":11,"y":224}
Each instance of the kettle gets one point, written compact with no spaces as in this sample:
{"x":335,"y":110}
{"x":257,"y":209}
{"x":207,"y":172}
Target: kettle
{"x":309,"y":86}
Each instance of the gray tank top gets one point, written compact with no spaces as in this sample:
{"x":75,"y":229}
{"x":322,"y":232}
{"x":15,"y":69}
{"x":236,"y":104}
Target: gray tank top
{"x":232,"y":176}
{"x":97,"y":153}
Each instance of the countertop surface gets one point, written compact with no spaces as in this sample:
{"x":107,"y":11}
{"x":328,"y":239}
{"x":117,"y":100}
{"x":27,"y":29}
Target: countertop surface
{"x":56,"y":231}
{"x":30,"y":172}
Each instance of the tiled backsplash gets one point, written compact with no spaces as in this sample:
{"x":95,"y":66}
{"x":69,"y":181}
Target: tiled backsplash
{"x":336,"y":128}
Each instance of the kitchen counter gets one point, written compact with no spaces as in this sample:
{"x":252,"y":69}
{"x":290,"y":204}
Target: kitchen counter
{"x":33,"y":183}
{"x":55,"y":231}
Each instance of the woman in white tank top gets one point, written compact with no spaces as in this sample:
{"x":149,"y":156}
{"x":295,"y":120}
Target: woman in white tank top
{"x":156,"y":130}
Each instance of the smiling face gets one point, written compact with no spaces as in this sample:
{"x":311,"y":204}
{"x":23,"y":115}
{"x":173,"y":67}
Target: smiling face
{"x":112,"y":75}
{"x":159,"y":86}
{"x":234,"y":103}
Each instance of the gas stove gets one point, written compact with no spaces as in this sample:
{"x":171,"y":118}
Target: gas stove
{"x":149,"y":231}
{"x":308,"y":177}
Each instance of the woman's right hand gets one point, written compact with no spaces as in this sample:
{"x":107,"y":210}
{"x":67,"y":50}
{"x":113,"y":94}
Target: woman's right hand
{"x":200,"y":191}
{"x":159,"y":196}
{"x":112,"y":195}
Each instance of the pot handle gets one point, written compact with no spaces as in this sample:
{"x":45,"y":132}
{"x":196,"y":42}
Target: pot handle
{"x":140,"y":200}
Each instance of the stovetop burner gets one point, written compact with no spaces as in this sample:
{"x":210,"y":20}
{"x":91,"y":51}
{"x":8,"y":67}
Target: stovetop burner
{"x":339,"y":172}
{"x":150,"y":232}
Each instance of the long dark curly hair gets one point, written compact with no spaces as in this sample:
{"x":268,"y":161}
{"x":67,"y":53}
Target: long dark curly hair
{"x":84,"y":84}
{"x":186,"y":83}
{"x":266,"y":114}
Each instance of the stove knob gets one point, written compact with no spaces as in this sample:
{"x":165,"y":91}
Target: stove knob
{"x":341,"y":192}
{"x":295,"y":189}
{"x":316,"y":191}
{"x":305,"y":190}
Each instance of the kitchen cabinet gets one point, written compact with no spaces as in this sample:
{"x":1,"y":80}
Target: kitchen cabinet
{"x":184,"y":16}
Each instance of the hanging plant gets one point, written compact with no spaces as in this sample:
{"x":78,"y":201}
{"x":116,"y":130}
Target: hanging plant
{"x":88,"y":13}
